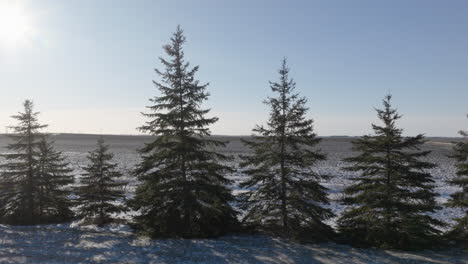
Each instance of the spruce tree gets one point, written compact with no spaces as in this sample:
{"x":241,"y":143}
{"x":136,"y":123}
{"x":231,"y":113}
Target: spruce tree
{"x":100,"y":188}
{"x":19,"y":178}
{"x":284,"y":191}
{"x":459,"y":199}
{"x":54,"y":180}
{"x":183,"y":189}
{"x":390,"y":200}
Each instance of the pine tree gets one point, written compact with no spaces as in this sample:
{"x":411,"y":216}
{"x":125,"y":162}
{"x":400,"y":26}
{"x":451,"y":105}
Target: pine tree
{"x":390,"y":200}
{"x":54,"y":180}
{"x":100,"y":187}
{"x":459,"y":199}
{"x":284,"y":192}
{"x":18,"y":178}
{"x":183,"y":189}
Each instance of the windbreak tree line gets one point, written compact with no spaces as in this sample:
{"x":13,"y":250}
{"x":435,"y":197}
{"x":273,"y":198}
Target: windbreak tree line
{"x":184,"y":190}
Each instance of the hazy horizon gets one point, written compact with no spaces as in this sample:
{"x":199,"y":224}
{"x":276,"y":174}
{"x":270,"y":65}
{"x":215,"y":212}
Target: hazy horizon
{"x":214,"y":135}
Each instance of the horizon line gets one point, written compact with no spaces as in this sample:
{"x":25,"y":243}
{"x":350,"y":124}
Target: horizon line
{"x":215,"y":135}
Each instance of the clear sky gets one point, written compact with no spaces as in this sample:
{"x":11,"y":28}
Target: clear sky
{"x":88,"y":64}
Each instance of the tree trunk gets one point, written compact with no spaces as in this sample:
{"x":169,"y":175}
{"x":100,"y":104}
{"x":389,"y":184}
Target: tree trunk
{"x":284,"y":212}
{"x":30,"y":178}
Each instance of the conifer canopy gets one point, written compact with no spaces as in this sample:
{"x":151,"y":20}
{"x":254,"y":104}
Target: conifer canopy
{"x":390,"y":201}
{"x":34,"y":180}
{"x":284,"y":191}
{"x":100,"y":192}
{"x":183,"y":190}
{"x":459,"y":199}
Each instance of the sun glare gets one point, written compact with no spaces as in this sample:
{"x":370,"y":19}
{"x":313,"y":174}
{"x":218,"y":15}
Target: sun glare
{"x":16,"y":27}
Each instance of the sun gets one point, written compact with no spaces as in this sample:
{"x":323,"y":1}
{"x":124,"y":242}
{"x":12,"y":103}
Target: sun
{"x":16,"y":26}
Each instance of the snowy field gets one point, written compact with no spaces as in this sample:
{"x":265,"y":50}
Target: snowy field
{"x":72,"y":244}
{"x":68,"y":244}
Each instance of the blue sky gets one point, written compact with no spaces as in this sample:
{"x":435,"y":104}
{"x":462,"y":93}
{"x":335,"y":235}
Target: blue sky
{"x":89,"y":64}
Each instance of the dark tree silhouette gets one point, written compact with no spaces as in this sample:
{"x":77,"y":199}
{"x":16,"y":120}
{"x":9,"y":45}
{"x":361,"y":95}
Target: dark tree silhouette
{"x":183,"y":189}
{"x":390,"y":199}
{"x":53,"y":180}
{"x":100,"y":188}
{"x":285,"y":194}
{"x":18,"y":178}
{"x":459,"y":199}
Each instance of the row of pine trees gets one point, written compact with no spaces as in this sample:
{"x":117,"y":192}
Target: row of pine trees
{"x":37,"y":184}
{"x":183,"y":186}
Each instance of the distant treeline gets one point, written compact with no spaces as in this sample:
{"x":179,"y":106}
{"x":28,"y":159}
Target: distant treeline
{"x":184,"y":191}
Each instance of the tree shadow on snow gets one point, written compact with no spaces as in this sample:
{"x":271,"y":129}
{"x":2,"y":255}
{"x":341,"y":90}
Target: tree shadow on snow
{"x":62,"y":244}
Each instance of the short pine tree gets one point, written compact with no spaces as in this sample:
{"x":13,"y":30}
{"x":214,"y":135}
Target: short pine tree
{"x":100,"y":188}
{"x":183,"y":190}
{"x":54,"y":180}
{"x":389,"y":202}
{"x":284,"y":192}
{"x":459,"y":199}
{"x":18,"y":178}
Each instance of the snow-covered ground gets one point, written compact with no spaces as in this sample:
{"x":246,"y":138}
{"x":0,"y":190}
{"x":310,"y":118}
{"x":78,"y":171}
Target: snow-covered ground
{"x":70,"y":244}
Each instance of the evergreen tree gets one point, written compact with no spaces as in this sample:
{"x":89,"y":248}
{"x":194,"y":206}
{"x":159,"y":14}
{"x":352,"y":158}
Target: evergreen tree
{"x":100,"y":187}
{"x":18,"y":178}
{"x":284,"y":192}
{"x":459,"y":199}
{"x":54,"y":180}
{"x":183,"y":189}
{"x":390,"y":200}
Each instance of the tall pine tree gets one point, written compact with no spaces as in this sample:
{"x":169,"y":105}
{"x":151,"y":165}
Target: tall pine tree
{"x":389,"y":202}
{"x":183,"y":189}
{"x":19,"y":178}
{"x":53,"y":180}
{"x":284,"y":192}
{"x":100,"y":188}
{"x":459,"y":199}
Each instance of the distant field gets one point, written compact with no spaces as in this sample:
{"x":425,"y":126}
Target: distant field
{"x":86,"y":142}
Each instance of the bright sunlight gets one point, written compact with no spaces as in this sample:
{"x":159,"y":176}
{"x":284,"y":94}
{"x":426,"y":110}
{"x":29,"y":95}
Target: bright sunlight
{"x":16,"y":25}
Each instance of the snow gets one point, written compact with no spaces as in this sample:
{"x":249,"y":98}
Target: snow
{"x":72,"y":244}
